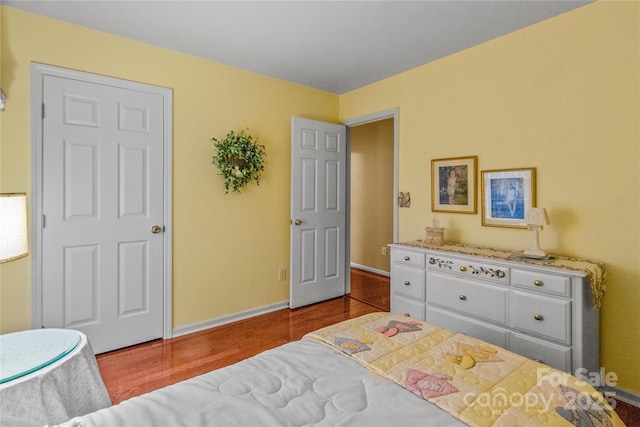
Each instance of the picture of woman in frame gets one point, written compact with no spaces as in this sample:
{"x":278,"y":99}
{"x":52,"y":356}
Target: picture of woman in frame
{"x":507,"y":198}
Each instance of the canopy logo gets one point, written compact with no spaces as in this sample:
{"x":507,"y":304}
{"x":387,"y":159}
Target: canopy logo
{"x":500,"y":399}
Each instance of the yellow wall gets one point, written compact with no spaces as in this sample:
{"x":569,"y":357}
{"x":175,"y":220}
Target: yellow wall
{"x":227,"y":248}
{"x":561,"y":96}
{"x":371,"y":193}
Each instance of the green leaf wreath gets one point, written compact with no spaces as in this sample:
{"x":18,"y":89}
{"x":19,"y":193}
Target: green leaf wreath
{"x":239,"y":159}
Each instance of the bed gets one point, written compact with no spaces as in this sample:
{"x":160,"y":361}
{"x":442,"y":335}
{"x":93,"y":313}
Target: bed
{"x":376,"y":370}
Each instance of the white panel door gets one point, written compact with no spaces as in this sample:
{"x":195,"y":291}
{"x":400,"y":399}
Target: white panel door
{"x":318,"y":211}
{"x":102,"y":202}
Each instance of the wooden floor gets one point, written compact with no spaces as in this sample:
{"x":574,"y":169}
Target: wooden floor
{"x":370,"y":288}
{"x":142,"y":368}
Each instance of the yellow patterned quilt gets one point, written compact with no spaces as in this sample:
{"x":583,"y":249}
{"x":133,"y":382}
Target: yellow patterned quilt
{"x":480,"y":384}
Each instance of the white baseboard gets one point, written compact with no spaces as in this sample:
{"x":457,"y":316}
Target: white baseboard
{"x":370,"y":269}
{"x":626,"y":396}
{"x":219,"y":321}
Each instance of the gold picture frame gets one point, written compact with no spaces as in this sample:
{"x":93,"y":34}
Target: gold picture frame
{"x":507,"y":195}
{"x":453,"y":185}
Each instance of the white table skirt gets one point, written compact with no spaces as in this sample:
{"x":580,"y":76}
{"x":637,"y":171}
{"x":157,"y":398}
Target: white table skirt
{"x":69,"y":387}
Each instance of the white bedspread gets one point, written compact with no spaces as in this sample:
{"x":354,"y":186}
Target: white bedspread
{"x":302,"y":383}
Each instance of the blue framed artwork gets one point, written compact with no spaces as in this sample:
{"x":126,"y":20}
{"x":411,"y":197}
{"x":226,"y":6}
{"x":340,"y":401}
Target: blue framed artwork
{"x":507,"y":195}
{"x":453,"y":185}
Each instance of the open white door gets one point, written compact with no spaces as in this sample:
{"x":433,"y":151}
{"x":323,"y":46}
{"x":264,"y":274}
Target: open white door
{"x":318,"y":211}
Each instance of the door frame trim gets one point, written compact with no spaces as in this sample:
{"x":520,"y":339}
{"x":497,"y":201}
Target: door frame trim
{"x":38,"y":71}
{"x":361,"y":120}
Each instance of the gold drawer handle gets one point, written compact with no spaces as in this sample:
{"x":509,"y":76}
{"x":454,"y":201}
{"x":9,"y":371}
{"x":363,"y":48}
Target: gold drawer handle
{"x":463,"y":297}
{"x":538,"y":360}
{"x":407,"y":315}
{"x":463,"y":269}
{"x":538,"y":283}
{"x":538,"y":316}
{"x":407,"y":283}
{"x":407,"y":258}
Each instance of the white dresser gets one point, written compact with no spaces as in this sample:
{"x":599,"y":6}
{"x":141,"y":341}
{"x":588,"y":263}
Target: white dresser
{"x":542,"y":310}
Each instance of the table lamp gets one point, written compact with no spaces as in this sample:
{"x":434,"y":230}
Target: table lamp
{"x":536,"y":219}
{"x":13,"y":226}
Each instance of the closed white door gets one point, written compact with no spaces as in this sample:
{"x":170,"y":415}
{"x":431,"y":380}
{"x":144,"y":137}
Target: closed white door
{"x":318,"y":211}
{"x":102,"y":205}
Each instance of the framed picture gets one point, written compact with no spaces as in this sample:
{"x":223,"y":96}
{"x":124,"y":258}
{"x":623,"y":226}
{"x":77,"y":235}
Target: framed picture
{"x":453,"y":185}
{"x":404,"y":199}
{"x":507,"y":194}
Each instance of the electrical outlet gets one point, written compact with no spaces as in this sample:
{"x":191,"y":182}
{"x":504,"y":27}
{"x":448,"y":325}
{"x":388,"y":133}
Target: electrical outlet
{"x":282,"y":274}
{"x":384,"y":250}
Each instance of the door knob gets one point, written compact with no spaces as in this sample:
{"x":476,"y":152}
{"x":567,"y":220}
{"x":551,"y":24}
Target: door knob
{"x":298,"y":221}
{"x":156,"y":229}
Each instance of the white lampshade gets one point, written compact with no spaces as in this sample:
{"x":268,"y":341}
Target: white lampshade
{"x":13,"y":226}
{"x":536,"y":216}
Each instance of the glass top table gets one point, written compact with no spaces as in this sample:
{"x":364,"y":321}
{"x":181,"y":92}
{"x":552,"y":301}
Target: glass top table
{"x":48,"y":376}
{"x":24,"y":352}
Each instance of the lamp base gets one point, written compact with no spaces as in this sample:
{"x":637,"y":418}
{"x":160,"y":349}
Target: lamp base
{"x":521,"y":256}
{"x":535,"y":253}
{"x":535,"y":250}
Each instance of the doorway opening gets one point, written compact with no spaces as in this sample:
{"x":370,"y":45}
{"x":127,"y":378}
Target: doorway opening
{"x":373,"y":189}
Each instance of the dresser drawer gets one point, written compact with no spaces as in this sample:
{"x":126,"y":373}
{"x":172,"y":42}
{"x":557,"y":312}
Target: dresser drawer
{"x":556,"y":356}
{"x":472,"y":327}
{"x":410,"y":258}
{"x":472,"y":298}
{"x":543,"y":282}
{"x":404,"y":306}
{"x":544,"y":316}
{"x":473,"y":270}
{"x":408,"y":281}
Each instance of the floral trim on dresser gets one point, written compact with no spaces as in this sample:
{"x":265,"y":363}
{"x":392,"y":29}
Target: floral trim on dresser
{"x":491,"y":272}
{"x":441,"y":263}
{"x":594,"y":270}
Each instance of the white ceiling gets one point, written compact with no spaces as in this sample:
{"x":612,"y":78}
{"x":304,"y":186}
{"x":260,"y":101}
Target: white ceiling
{"x":335,"y":46}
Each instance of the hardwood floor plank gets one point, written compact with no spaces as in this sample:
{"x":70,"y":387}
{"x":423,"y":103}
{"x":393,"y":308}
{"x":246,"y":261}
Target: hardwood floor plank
{"x":143,"y":368}
{"x":370,"y":288}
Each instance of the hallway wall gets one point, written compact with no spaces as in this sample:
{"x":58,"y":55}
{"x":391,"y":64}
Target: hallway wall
{"x":371,"y":193}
